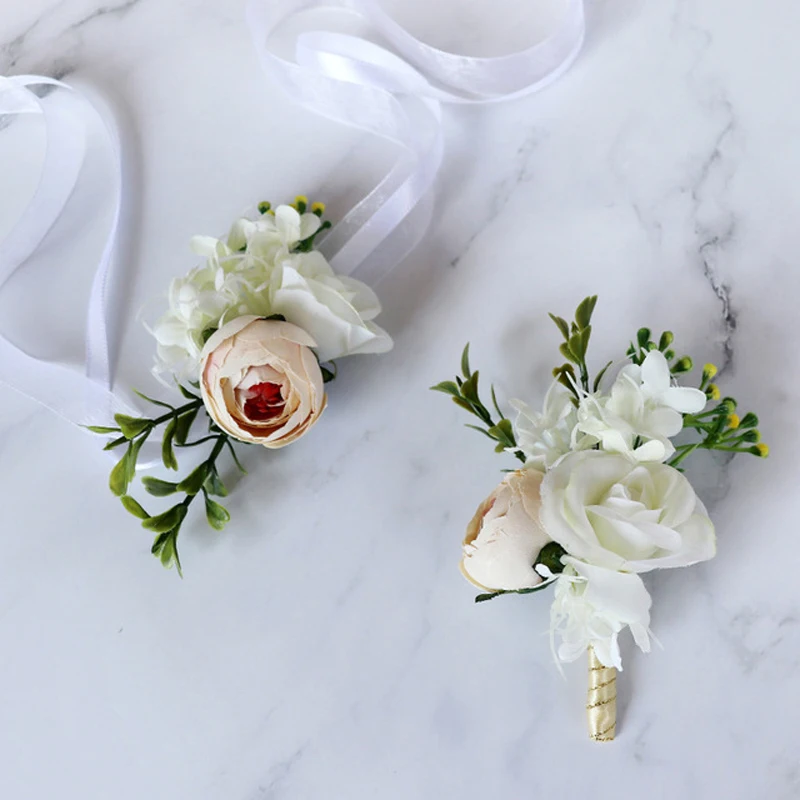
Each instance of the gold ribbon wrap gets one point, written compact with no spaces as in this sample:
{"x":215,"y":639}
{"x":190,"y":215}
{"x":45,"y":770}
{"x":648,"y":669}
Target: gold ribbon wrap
{"x":601,"y":704}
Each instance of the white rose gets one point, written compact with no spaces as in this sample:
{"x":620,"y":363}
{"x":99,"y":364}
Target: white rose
{"x":613,"y":513}
{"x":593,"y":605}
{"x":260,"y":382}
{"x":545,"y":437}
{"x":643,"y":411}
{"x":505,"y":536}
{"x":335,"y":309}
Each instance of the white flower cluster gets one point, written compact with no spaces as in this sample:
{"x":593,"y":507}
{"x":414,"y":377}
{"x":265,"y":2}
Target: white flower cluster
{"x":608,"y":499}
{"x":260,"y":271}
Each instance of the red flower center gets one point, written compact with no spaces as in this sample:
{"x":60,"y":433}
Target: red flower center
{"x":265,"y":401}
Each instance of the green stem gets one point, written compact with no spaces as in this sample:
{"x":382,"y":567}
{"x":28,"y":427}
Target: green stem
{"x":176,"y":412}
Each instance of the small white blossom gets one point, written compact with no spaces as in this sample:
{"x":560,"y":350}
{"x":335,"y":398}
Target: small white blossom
{"x":643,"y":411}
{"x":592,"y":606}
{"x":545,"y":437}
{"x":258,"y":272}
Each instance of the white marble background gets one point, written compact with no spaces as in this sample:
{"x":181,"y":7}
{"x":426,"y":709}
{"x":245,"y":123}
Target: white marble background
{"x":325,"y":645}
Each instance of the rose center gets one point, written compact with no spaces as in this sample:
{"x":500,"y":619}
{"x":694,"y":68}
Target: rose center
{"x":264,"y":401}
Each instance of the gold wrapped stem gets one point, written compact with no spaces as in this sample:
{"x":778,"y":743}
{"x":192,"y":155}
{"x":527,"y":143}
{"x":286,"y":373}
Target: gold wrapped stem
{"x":601,"y":705}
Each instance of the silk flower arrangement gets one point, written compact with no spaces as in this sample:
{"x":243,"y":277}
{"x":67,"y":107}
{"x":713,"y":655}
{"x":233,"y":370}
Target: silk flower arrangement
{"x":601,"y":497}
{"x":251,"y":337}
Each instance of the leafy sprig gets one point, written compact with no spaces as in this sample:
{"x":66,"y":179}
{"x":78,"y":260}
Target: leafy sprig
{"x":464,"y":393}
{"x":203,"y":480}
{"x":574,"y":348}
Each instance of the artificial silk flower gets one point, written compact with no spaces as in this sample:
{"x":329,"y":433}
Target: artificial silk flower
{"x":547,"y":435}
{"x":593,"y":605}
{"x":642,"y":412}
{"x":260,"y":271}
{"x":608,"y":511}
{"x":260,"y":381}
{"x":249,"y":339}
{"x":506,"y":535}
{"x":608,"y":502}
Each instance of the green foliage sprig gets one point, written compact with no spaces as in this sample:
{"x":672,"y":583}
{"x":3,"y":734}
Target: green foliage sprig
{"x":464,"y":392}
{"x":203,"y":480}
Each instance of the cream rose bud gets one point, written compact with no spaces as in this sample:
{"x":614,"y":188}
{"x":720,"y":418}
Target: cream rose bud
{"x":260,"y":381}
{"x":505,"y":536}
{"x":608,"y":511}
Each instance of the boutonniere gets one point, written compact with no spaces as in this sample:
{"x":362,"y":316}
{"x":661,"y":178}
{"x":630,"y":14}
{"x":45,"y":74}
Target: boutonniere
{"x":600,"y":497}
{"x":250,"y":339}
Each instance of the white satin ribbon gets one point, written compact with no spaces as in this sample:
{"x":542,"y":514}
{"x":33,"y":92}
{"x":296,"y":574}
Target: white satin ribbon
{"x":394,"y":95}
{"x":397,"y":95}
{"x":78,"y":398}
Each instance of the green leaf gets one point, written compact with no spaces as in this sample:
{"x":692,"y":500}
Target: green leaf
{"x":462,"y":403}
{"x":161,"y":523}
{"x":470,"y":388}
{"x":585,"y":335}
{"x":165,"y":547}
{"x":567,"y":353}
{"x":157,"y":487}
{"x":495,"y":403}
{"x":186,"y":393}
{"x":328,"y":375}
{"x":133,"y":507}
{"x":154,"y":402}
{"x":576,"y":347}
{"x":275,"y":317}
{"x":214,"y":484}
{"x":131,"y":426}
{"x":115,"y":443}
{"x":133,"y":455}
{"x":465,"y":370}
{"x":480,"y":430}
{"x":448,"y":387}
{"x":101,"y":429}
{"x":194,"y":481}
{"x":482,"y":598}
{"x":583,"y":313}
{"x":167,"y":453}
{"x":235,"y":457}
{"x":216,"y":514}
{"x":561,"y":324}
{"x":550,"y":556}
{"x":118,"y":480}
{"x":503,"y":432}
{"x":600,"y":376}
{"x":184,"y":426}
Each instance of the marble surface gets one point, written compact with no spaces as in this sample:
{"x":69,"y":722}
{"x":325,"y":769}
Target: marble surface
{"x":325,"y":645}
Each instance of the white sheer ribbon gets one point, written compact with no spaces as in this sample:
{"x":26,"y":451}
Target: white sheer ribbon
{"x":398,"y":96}
{"x":78,"y":398}
{"x":395,"y":95}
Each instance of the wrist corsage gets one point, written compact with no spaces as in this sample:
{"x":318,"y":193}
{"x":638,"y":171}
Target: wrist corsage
{"x":250,"y":339}
{"x":600,"y":497}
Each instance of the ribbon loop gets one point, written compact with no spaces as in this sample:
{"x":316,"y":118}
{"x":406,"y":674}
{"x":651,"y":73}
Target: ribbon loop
{"x":397,"y":96}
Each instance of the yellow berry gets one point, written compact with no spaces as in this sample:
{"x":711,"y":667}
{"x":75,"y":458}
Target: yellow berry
{"x":733,"y":421}
{"x":710,"y":370}
{"x":763,"y":449}
{"x":301,"y":199}
{"x":318,"y":208}
{"x":713,"y":391}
